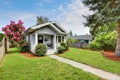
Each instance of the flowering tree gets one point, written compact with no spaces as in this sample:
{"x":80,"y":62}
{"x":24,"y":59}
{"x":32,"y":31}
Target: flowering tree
{"x":14,"y":31}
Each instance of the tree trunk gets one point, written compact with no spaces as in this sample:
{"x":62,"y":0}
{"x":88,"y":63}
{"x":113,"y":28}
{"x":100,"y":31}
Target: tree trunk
{"x":117,"y":51}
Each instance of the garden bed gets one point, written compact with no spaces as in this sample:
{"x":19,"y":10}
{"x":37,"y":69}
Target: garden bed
{"x":111,"y":55}
{"x":29,"y":55}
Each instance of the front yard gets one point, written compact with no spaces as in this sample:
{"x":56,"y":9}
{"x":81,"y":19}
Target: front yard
{"x":15,"y":66}
{"x":93,"y":58}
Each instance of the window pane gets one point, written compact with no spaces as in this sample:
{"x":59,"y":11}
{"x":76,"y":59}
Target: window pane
{"x":62,"y":39}
{"x":59,"y":38}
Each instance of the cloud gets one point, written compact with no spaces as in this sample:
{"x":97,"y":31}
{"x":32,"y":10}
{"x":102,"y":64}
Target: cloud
{"x":71,"y":16}
{"x":39,"y":4}
{"x":21,"y":15}
{"x":68,"y":14}
{"x":61,"y":8}
{"x":29,"y":19}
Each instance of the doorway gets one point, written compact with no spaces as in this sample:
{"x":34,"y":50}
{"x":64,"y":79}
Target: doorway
{"x":40,"y":38}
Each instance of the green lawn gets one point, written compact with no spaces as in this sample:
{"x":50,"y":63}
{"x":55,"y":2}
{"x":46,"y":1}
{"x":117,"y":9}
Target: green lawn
{"x":15,"y":66}
{"x":93,"y":58}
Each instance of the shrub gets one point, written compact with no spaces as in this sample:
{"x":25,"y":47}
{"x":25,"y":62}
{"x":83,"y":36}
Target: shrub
{"x":95,"y":45}
{"x":25,"y":48}
{"x":40,"y":49}
{"x":60,"y":49}
{"x":65,"y":46}
{"x":85,"y":47}
{"x":69,"y":42}
{"x":13,"y":44}
{"x":1,"y":36}
{"x":24,"y":45}
{"x":110,"y":40}
{"x":105,"y":42}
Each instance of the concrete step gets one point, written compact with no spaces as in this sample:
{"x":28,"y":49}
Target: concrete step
{"x":50,"y":51}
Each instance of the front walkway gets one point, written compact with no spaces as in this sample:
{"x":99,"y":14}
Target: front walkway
{"x":98,"y":72}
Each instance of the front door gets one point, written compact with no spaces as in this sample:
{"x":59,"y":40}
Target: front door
{"x":40,"y":38}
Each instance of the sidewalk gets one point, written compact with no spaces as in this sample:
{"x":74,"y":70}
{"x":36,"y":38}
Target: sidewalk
{"x":98,"y":72}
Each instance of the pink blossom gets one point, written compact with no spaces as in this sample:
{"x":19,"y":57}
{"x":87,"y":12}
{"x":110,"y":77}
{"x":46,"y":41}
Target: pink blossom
{"x":20,"y":22}
{"x":14,"y":30}
{"x":12,"y":22}
{"x":3,"y":29}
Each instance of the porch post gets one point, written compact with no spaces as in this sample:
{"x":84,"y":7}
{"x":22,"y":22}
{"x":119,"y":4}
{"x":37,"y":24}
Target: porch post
{"x":43,"y":38}
{"x":54,"y":42}
{"x":36,"y":38}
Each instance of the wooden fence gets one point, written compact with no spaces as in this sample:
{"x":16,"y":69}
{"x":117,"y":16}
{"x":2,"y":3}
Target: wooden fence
{"x":79,"y":45}
{"x":3,"y":48}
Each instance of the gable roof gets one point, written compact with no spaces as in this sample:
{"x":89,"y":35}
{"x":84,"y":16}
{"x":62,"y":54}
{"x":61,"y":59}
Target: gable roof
{"x":84,"y":37}
{"x":54,"y":25}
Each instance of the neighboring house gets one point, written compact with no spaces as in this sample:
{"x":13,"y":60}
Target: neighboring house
{"x":83,"y":38}
{"x":50,"y":33}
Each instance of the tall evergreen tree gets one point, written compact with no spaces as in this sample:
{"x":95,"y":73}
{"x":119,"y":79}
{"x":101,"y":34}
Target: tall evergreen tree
{"x":41,"y":20}
{"x":71,"y":34}
{"x":105,"y":12}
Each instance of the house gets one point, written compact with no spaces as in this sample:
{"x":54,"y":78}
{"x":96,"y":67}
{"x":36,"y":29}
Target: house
{"x":50,"y":33}
{"x":83,"y":38}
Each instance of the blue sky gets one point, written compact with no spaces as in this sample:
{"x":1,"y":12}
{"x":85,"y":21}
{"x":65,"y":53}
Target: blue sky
{"x":68,"y":13}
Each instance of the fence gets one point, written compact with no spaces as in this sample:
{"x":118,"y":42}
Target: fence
{"x":79,"y":45}
{"x":3,"y":48}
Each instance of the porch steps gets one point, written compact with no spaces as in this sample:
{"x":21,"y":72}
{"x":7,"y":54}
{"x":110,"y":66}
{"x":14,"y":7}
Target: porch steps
{"x":50,"y":51}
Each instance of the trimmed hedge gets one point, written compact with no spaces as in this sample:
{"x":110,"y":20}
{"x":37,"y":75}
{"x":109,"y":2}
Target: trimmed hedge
{"x":40,"y":49}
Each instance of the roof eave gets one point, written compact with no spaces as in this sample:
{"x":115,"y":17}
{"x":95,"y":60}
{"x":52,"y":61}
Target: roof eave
{"x":29,"y":31}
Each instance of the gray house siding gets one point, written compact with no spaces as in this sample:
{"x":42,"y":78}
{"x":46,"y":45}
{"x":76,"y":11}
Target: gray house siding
{"x":46,"y":30}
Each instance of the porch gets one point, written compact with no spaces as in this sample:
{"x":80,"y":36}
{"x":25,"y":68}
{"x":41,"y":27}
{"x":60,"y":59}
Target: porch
{"x":48,"y":39}
{"x":52,"y":41}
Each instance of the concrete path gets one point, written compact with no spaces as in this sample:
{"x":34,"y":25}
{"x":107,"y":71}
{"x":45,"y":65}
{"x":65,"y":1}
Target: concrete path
{"x":98,"y":72}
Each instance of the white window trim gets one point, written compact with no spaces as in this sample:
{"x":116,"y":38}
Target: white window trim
{"x":61,"y":39}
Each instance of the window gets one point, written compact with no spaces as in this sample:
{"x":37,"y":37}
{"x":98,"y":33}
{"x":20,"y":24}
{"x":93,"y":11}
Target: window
{"x":33,"y":38}
{"x":59,"y":39}
{"x":40,"y":38}
{"x":62,"y":38}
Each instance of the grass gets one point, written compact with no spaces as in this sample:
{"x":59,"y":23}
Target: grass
{"x":15,"y":66}
{"x":93,"y":58}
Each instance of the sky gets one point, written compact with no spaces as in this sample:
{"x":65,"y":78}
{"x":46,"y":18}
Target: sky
{"x":68,"y":13}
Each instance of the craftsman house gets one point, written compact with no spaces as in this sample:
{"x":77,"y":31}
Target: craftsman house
{"x":50,"y":33}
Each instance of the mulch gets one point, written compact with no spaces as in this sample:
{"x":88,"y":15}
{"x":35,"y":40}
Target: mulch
{"x":111,"y":55}
{"x":29,"y":55}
